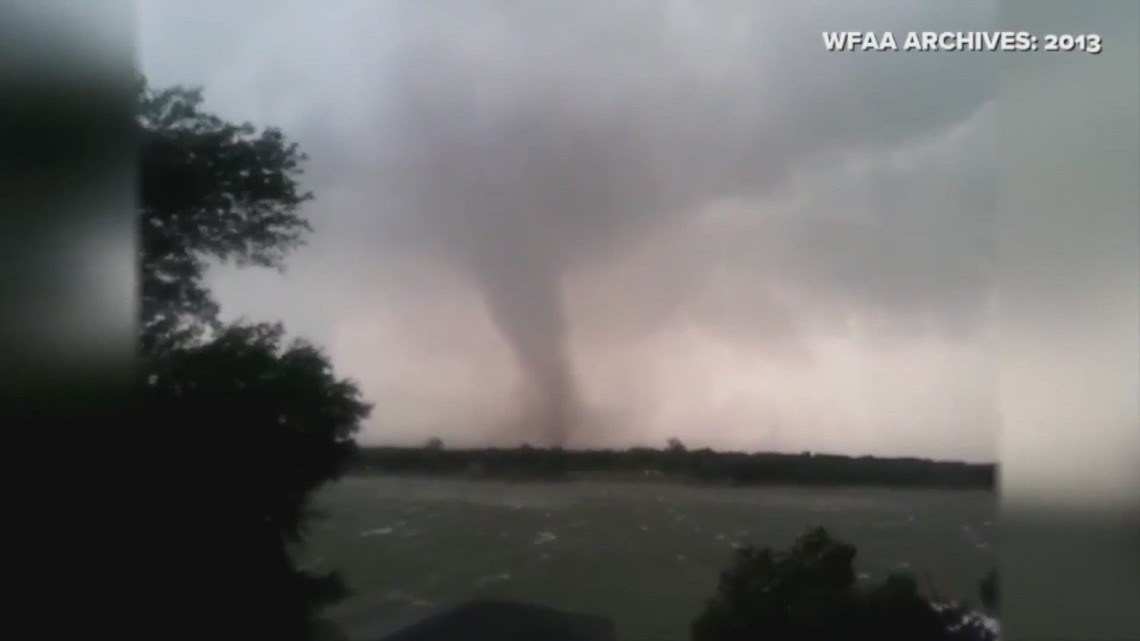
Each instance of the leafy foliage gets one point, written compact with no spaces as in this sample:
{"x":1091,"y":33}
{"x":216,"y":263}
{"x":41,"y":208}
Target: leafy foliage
{"x":809,"y":593}
{"x":209,"y":189}
{"x":259,"y":423}
{"x":267,"y":423}
{"x":246,"y":392}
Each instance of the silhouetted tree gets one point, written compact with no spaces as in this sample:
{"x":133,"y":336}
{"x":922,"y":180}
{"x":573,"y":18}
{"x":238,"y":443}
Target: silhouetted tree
{"x":809,"y":593}
{"x":260,"y":423}
{"x":675,"y":445}
{"x":266,"y":423}
{"x":434,"y":443}
{"x":208,"y":189}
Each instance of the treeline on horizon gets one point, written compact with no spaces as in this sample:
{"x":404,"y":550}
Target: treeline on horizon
{"x":674,"y":462}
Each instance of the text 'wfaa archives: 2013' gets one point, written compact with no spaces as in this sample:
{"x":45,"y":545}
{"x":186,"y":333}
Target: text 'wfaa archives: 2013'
{"x":962,"y":41}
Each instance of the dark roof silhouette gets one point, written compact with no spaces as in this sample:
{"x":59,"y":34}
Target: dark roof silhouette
{"x":482,"y":620}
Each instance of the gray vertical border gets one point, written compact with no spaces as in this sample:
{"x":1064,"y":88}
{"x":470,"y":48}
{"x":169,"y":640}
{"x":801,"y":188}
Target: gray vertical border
{"x":1069,"y":325}
{"x":67,"y":335}
{"x":67,"y":192}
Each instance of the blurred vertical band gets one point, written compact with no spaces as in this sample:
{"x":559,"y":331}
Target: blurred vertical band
{"x":66,"y":298}
{"x":67,"y":186}
{"x":1070,"y":327}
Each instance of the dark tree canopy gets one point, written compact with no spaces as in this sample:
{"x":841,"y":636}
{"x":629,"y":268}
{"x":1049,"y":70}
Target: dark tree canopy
{"x":258,"y":423}
{"x":265,"y":424}
{"x":809,"y":593}
{"x":209,"y":189}
{"x":280,"y":400}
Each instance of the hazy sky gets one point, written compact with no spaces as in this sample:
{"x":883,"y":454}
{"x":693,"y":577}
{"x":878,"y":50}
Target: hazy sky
{"x":611,"y":223}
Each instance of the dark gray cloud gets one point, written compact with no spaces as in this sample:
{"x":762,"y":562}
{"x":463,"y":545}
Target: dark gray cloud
{"x":601,"y":171}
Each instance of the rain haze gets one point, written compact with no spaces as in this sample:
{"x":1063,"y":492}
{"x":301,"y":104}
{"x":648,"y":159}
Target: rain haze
{"x":606,"y":224}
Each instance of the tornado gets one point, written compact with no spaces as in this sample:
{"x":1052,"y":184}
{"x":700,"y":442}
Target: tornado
{"x":514,"y":199}
{"x":522,"y":289}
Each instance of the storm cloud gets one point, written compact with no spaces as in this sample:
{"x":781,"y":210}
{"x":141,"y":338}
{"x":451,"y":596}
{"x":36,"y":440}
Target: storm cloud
{"x":599,"y":223}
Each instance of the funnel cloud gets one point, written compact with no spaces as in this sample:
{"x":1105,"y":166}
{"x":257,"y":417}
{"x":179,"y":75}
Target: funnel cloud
{"x":516,"y":198}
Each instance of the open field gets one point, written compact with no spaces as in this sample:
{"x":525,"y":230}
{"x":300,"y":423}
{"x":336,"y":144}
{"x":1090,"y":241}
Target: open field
{"x":647,"y":555}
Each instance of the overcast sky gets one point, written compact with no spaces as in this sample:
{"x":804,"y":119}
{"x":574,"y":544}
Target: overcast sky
{"x":610,"y":223}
